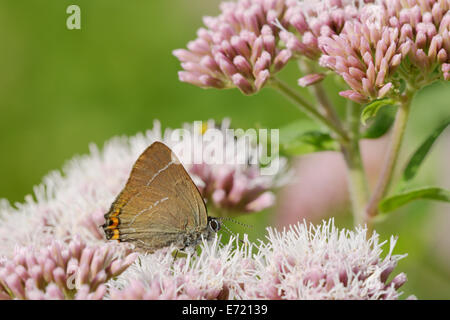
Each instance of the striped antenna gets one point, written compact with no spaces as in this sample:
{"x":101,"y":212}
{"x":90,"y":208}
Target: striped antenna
{"x":231,"y":233}
{"x":237,"y":222}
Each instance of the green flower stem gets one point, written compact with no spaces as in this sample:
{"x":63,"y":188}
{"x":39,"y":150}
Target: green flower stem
{"x":310,"y":109}
{"x":307,"y":67}
{"x":388,"y":168}
{"x":356,"y":175}
{"x":326,"y":104}
{"x":358,"y":186}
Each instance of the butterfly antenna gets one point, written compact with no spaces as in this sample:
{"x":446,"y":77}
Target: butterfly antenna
{"x":237,"y":222}
{"x":232,"y":233}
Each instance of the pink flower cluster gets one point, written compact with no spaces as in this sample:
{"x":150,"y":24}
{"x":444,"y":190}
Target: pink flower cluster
{"x":366,"y":70}
{"x":62,"y":271}
{"x":307,"y":20}
{"x":233,"y":183}
{"x":213,"y":274}
{"x":73,"y":203}
{"x":322,"y":262}
{"x":230,"y":188}
{"x":42,"y":255}
{"x":239,"y":48}
{"x":52,"y":262}
{"x":304,"y":262}
{"x":228,"y":172}
{"x":425,"y":27}
{"x":395,"y":40}
{"x":376,"y":46}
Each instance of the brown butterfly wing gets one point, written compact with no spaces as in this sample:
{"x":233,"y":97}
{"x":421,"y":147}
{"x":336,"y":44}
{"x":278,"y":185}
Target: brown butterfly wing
{"x":159,"y":203}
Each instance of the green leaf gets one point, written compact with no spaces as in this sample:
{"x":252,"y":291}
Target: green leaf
{"x":371,"y":109}
{"x":398,"y":200}
{"x":309,"y":142}
{"x":418,"y":157}
{"x":293,"y":129}
{"x":381,"y":124}
{"x":301,"y":137}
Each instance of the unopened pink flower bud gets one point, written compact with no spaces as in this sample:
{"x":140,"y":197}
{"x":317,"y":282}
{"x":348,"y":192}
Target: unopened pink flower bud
{"x":310,"y":79}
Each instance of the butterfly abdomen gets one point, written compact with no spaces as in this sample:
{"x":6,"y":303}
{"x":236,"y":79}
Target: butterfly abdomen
{"x":189,"y":240}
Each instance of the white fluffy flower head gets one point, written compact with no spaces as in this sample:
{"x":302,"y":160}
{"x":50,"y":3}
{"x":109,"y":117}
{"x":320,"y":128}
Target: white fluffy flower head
{"x":302,"y":262}
{"x":323,"y":262}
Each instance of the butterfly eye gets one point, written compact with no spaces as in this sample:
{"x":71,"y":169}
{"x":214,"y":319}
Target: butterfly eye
{"x":214,"y":224}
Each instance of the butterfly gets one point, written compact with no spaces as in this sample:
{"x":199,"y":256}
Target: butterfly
{"x":159,"y":206}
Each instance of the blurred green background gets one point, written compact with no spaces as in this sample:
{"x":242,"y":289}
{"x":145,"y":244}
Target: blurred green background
{"x":61,"y":89}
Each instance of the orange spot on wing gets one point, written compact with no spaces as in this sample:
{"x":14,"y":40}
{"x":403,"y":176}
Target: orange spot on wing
{"x":115,"y":213}
{"x":115,"y":235}
{"x":114,"y":224}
